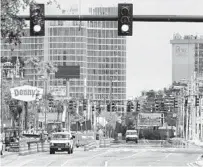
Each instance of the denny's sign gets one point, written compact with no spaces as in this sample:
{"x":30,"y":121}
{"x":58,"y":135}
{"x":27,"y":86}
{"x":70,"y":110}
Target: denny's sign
{"x":26,"y":93}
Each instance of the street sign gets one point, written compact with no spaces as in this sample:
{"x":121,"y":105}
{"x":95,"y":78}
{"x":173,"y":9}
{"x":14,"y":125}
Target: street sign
{"x":150,"y":119}
{"x":58,"y":90}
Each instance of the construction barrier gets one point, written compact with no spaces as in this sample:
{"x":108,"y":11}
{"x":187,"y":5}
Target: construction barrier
{"x":104,"y":143}
{"x":45,"y":147}
{"x":23,"y":148}
{"x":91,"y":145}
{"x":33,"y":147}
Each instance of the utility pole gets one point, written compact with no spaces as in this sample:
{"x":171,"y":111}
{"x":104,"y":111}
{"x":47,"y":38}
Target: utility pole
{"x":67,"y":120}
{"x":110,"y":95}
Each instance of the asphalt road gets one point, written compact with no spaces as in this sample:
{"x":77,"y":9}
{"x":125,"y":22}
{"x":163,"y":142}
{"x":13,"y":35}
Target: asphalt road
{"x":130,"y":154}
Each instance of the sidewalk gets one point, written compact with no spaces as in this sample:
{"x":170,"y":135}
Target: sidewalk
{"x":6,"y":154}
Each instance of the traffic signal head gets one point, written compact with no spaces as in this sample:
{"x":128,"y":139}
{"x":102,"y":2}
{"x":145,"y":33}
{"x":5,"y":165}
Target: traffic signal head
{"x":37,"y":97}
{"x":113,"y":105}
{"x":37,"y":21}
{"x":70,"y":105}
{"x":196,"y":101}
{"x":92,"y":108}
{"x":84,"y":104}
{"x":138,"y":106}
{"x":175,"y":103}
{"x":108,"y":107}
{"x":125,"y":19}
{"x":129,"y":106}
{"x":186,"y":102}
{"x":51,"y":101}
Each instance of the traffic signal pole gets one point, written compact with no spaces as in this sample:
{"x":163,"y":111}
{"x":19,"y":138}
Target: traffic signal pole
{"x":138,"y":18}
{"x":67,"y":120}
{"x":110,"y":94}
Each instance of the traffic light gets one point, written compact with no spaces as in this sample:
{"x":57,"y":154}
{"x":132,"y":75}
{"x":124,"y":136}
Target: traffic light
{"x":37,"y":21}
{"x":196,"y":101}
{"x":108,"y":107}
{"x":138,"y":106}
{"x":175,"y":103}
{"x":156,"y":104}
{"x":37,"y":98}
{"x":129,"y":106}
{"x":113,"y":105}
{"x":51,"y":101}
{"x":93,"y":108}
{"x":98,"y":108}
{"x":84,"y":104}
{"x":75,"y":104}
{"x":125,"y":19}
{"x":186,"y":102}
{"x":70,"y":105}
{"x":162,"y":106}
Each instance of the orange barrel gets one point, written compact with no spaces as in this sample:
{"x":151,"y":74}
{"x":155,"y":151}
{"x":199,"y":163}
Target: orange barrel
{"x":107,"y":143}
{"x":102,"y":143}
{"x":33,"y":148}
{"x":86,"y":147}
{"x":46,"y":146}
{"x":23,"y":148}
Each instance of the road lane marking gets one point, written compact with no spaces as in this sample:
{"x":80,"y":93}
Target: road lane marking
{"x":131,"y":155}
{"x":167,"y":155}
{"x":82,"y":158}
{"x":106,"y":163}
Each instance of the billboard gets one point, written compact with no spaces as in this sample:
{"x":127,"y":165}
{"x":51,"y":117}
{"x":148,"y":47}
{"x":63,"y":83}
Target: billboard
{"x":150,"y":119}
{"x":68,"y":72}
{"x":26,"y":93}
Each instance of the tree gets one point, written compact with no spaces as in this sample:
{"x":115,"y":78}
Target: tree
{"x":12,"y":27}
{"x":34,"y":62}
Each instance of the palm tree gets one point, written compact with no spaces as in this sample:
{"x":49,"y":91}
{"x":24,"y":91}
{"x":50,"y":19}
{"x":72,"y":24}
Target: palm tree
{"x":41,"y":68}
{"x":34,"y":61}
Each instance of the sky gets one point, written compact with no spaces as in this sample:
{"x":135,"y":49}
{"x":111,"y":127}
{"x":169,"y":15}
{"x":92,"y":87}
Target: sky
{"x":149,"y":58}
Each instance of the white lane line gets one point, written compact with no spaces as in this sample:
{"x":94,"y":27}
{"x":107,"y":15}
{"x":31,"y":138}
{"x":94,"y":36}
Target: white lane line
{"x":106,"y":163}
{"x":82,"y":158}
{"x":167,"y":155}
{"x":25,"y":162}
{"x":131,"y":155}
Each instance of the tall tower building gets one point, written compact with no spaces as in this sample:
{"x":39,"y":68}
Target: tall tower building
{"x":187,"y":56}
{"x":94,"y":46}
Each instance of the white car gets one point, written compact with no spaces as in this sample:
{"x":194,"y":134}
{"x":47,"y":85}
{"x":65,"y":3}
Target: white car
{"x":61,"y":141}
{"x":131,"y":135}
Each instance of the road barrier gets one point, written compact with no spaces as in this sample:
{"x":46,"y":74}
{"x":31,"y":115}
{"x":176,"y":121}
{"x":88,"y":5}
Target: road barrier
{"x":91,"y":145}
{"x":32,"y":147}
{"x":104,"y":143}
{"x":23,"y":148}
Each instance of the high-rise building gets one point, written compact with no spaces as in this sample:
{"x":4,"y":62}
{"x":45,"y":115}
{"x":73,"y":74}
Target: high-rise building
{"x":187,"y":56}
{"x":95,"y":46}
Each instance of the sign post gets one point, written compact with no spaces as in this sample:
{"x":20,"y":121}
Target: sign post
{"x":26,"y":93}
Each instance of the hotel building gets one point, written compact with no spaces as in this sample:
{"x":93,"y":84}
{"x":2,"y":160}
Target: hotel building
{"x":95,"y":46}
